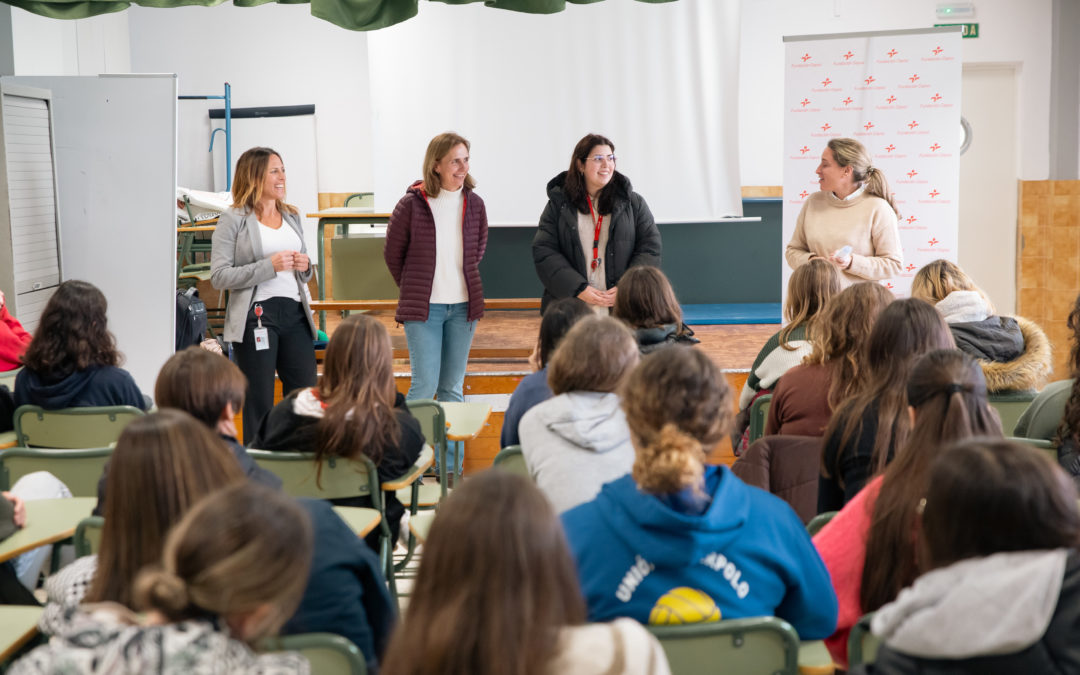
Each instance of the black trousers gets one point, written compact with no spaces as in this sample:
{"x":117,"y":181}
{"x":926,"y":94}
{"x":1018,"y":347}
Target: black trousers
{"x":291,"y":355}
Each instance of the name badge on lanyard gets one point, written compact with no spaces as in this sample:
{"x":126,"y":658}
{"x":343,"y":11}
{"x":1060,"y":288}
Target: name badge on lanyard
{"x":261,"y":335}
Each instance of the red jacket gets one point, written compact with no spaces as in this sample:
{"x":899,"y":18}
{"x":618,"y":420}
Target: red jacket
{"x":410,"y":252}
{"x":13,"y":341}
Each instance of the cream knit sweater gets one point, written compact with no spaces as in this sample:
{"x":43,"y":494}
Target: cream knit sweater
{"x":867,"y":223}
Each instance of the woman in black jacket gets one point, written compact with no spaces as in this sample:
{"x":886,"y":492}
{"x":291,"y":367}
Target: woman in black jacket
{"x":593,"y":229}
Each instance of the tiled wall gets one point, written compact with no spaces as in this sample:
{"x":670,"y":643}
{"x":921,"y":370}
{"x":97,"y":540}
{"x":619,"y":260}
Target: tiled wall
{"x":1048,"y":269}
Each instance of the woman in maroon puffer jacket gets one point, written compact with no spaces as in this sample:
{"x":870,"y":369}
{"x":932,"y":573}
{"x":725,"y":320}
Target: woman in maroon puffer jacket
{"x":434,"y":243}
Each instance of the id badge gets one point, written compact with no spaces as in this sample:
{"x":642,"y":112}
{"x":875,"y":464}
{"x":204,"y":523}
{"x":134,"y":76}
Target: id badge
{"x":262,"y":339}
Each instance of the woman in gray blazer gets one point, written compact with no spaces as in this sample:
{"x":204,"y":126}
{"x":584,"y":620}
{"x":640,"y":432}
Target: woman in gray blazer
{"x":259,"y":256}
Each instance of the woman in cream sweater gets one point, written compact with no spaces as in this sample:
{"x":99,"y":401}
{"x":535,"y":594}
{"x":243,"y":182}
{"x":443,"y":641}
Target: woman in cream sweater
{"x":851,"y":221}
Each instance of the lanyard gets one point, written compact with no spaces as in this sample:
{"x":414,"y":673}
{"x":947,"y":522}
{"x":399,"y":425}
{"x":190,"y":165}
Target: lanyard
{"x":599,"y":221}
{"x":258,"y":314}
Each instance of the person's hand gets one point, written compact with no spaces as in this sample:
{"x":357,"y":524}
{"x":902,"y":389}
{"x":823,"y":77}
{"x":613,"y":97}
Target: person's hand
{"x":611,"y":294}
{"x":19,"y":506}
{"x":534,"y":357}
{"x":300,"y":261}
{"x":841,"y":262}
{"x":283,"y":260}
{"x":591,"y":296}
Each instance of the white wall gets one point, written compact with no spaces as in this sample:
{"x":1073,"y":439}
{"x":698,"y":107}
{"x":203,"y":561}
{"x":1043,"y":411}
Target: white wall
{"x":274,"y":54}
{"x":91,"y":46}
{"x":1010,"y":32}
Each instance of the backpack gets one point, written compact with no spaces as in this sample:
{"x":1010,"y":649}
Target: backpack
{"x":190,"y":318}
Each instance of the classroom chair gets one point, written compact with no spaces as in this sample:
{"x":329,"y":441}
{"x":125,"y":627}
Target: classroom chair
{"x":819,"y":521}
{"x":759,"y":415}
{"x":328,"y":654}
{"x":787,"y":466}
{"x":1010,"y":405}
{"x":360,"y":200}
{"x":862,"y":645}
{"x":1039,"y":444}
{"x":7,"y":378}
{"x":88,"y":536}
{"x":510,"y":459}
{"x":71,"y":428}
{"x":80,"y":469}
{"x":432,"y":420}
{"x":765,"y":645}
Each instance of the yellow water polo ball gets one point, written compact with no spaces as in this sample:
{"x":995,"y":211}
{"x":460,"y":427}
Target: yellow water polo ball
{"x":684,"y":605}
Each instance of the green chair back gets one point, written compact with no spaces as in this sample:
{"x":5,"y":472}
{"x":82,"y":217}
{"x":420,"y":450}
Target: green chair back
{"x":510,"y":459}
{"x":432,"y":420}
{"x":862,"y":645}
{"x":7,"y":378}
{"x":328,"y":654}
{"x":80,"y":470}
{"x":1039,"y":444}
{"x":819,"y":521}
{"x":361,"y":200}
{"x":70,"y":428}
{"x":759,"y":415}
{"x":1010,"y":405}
{"x":88,"y":536}
{"x":764,"y":645}
{"x":339,"y":477}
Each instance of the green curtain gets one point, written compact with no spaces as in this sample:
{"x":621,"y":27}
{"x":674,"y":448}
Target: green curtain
{"x":351,"y":14}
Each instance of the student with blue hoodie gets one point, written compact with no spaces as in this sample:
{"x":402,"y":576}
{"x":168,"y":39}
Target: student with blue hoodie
{"x":681,"y":542}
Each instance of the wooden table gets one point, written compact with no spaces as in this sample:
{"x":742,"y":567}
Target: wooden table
{"x":465,"y":421}
{"x":360,"y":520}
{"x":814,"y":659}
{"x":18,"y":624}
{"x":47,"y":521}
{"x":420,"y":525}
{"x":338,"y":216}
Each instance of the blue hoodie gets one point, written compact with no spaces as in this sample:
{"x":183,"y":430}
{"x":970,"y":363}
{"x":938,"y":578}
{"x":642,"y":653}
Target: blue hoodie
{"x":95,"y":386}
{"x":666,"y":560}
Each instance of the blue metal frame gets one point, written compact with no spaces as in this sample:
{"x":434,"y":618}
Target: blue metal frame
{"x":228,"y":129}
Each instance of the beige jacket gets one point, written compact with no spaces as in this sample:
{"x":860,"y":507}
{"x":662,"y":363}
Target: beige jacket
{"x":622,"y":647}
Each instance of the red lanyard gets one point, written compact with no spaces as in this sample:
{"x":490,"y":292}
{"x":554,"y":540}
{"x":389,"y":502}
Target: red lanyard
{"x":599,"y":220}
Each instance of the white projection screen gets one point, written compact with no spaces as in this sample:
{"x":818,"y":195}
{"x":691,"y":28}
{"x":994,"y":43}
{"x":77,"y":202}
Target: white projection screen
{"x":659,"y":80}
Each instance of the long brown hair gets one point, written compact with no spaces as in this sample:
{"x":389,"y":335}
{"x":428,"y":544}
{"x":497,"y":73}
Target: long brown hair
{"x":1069,"y":429}
{"x":574,"y":183}
{"x":163,"y":463}
{"x":809,"y":290}
{"x":838,"y":335}
{"x":72,"y":334}
{"x":438,"y":148}
{"x":678,"y":407}
{"x":234,"y":551}
{"x":948,"y":393}
{"x":850,"y":152}
{"x":200,"y":383}
{"x":514,"y":585}
{"x":646,"y":299}
{"x":357,"y":387}
{"x":249,"y":178}
{"x":596,"y":354}
{"x":904,"y":331}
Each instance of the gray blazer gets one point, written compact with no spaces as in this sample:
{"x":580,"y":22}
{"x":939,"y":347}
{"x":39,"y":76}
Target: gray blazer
{"x":237,"y":264}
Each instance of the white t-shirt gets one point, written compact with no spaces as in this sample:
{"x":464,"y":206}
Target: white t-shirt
{"x":448,"y":284}
{"x":283,"y":285}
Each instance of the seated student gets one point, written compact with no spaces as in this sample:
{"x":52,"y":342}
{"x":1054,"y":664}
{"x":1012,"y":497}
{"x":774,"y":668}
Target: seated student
{"x":73,"y":361}
{"x":355,"y":410}
{"x":868,"y":547}
{"x":868,"y":427}
{"x":1014,"y":352}
{"x":211,"y":388}
{"x":13,"y":339}
{"x":578,"y":440}
{"x":515,"y":605}
{"x":809,"y":290}
{"x":646,"y":302}
{"x":1000,"y":591}
{"x":232,"y":570}
{"x":559,"y":317}
{"x":678,"y":533}
{"x":804,"y":398}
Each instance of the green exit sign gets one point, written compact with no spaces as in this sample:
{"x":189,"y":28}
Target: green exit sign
{"x":971,"y":30}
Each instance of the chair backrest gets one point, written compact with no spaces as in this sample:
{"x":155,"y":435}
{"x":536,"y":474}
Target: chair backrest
{"x":340,"y":477}
{"x":1039,"y":444}
{"x":862,"y":644}
{"x":94,"y":427}
{"x":759,"y":414}
{"x":819,"y":521}
{"x":787,"y":466}
{"x":7,"y":378}
{"x":361,"y":200}
{"x":1010,"y":405}
{"x":432,"y":420}
{"x":764,"y":645}
{"x":80,"y":470}
{"x":328,"y":654}
{"x":510,"y":459}
{"x":88,"y":536}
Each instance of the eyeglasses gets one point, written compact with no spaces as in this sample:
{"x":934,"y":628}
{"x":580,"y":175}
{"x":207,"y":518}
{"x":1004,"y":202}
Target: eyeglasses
{"x":599,"y":159}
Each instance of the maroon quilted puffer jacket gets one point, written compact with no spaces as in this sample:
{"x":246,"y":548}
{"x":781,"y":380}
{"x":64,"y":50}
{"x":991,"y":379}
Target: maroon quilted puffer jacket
{"x":410,"y":252}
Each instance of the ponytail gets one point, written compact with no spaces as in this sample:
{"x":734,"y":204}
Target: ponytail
{"x":669,"y":462}
{"x":877,"y":186}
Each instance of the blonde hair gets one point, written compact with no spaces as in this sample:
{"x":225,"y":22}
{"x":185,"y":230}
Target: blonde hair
{"x":235,"y":550}
{"x":809,"y":289}
{"x":850,"y":152}
{"x":595,"y":355}
{"x":436,"y":150}
{"x":250,"y":175}
{"x":678,"y":407}
{"x":936,"y":279}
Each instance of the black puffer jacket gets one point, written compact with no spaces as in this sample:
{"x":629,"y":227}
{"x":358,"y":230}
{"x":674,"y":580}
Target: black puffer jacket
{"x":633,"y":239}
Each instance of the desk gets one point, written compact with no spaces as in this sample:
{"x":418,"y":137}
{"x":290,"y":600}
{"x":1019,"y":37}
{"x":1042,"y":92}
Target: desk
{"x":360,"y":520}
{"x":420,"y":525}
{"x":186,"y":236}
{"x":814,"y":659}
{"x":338,"y":216}
{"x":465,"y":421}
{"x":17,"y":625}
{"x":47,"y":521}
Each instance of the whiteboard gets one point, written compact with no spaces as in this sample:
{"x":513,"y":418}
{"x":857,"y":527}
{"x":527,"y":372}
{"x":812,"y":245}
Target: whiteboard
{"x":115,"y":138}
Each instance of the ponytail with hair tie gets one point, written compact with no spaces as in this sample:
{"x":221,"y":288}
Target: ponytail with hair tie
{"x":669,"y":462}
{"x":161,"y":590}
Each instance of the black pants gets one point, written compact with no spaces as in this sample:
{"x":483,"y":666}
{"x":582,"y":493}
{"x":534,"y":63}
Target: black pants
{"x":291,"y":354}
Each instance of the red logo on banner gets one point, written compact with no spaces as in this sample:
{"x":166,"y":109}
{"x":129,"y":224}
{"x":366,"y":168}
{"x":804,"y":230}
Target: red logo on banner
{"x":890,"y":147}
{"x":891,"y":99}
{"x":888,"y":285}
{"x":933,"y":241}
{"x":826,"y":126}
{"x":934,"y":193}
{"x":805,"y":102}
{"x":914,"y":78}
{"x":912,"y":124}
{"x":804,"y":194}
{"x":805,"y":58}
{"x":909,"y":267}
{"x":848,"y":55}
{"x":935,"y":98}
{"x":892,"y":53}
{"x":911,"y":219}
{"x":803,"y":150}
{"x":870,"y":80}
{"x":826,"y":82}
{"x":912,"y":173}
{"x":937,"y":51}
{"x":848,"y":100}
{"x":935,"y":147}
{"x":868,"y":126}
